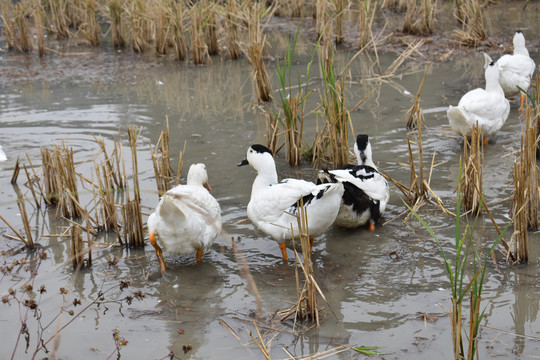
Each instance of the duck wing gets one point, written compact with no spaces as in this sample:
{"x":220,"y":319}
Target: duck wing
{"x":365,"y":178}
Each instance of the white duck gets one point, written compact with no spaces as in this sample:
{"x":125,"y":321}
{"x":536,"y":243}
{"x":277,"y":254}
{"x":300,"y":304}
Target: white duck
{"x":3,"y":156}
{"x":516,"y":69}
{"x":486,"y":106}
{"x":187,"y":217}
{"x":273,"y":205}
{"x":366,"y":190}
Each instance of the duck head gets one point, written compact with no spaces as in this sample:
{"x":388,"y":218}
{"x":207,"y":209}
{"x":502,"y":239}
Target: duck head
{"x":198,"y":176}
{"x":362,"y":150}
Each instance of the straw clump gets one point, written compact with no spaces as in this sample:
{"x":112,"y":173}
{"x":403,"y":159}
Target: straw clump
{"x":420,"y":17}
{"x":470,"y":14}
{"x":256,"y":48}
{"x":472,"y":174}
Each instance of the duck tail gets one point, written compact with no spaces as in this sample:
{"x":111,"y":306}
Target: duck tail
{"x":458,"y":119}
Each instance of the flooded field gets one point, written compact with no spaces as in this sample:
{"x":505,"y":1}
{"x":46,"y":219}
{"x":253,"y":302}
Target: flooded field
{"x":386,"y":288}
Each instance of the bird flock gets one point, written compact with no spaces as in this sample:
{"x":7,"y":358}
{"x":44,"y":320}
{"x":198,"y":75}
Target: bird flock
{"x":188,"y":218}
{"x":488,"y":108}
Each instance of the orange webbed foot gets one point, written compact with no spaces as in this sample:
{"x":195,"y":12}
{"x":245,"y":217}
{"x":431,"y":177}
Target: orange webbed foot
{"x":521,"y":101}
{"x":159,"y":252}
{"x":283,"y":248}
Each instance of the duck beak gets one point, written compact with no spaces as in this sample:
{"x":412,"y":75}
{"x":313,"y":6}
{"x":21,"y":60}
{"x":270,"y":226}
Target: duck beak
{"x":207,"y":186}
{"x":243,"y":162}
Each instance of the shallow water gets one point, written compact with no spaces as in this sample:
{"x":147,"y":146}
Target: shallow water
{"x":377,"y":285}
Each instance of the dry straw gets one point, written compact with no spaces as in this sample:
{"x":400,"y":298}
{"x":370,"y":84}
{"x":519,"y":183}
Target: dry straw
{"x":60,"y":181}
{"x":415,"y":115}
{"x":199,"y":49}
{"x":59,"y":19}
{"x":365,"y":22}
{"x":211,"y":29}
{"x":21,"y":203}
{"x":306,"y":307}
{"x":77,"y":248}
{"x":118,"y":29}
{"x":38,"y":16}
{"x":132,"y":138}
{"x":179,"y":36}
{"x":140,"y":26}
{"x":6,"y":11}
{"x":272,"y":131}
{"x":472,"y":174}
{"x":470,"y":14}
{"x":525,"y":202}
{"x":231,"y":30}
{"x":257,"y":43}
{"x":21,"y":13}
{"x":420,"y":17}
{"x":90,"y":27}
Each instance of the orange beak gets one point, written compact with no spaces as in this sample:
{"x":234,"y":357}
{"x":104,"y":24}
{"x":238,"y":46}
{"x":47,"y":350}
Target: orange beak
{"x":207,"y":186}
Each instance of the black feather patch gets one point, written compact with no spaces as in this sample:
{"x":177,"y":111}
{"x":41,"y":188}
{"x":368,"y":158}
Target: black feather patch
{"x":362,"y":141}
{"x":306,"y":200}
{"x":261,"y":148}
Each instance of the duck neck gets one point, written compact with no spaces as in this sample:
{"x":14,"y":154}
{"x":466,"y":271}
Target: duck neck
{"x":265,"y":177}
{"x":492,"y":85}
{"x":521,"y":50}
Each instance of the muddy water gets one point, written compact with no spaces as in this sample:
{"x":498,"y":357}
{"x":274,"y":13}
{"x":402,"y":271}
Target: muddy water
{"x":377,"y":285}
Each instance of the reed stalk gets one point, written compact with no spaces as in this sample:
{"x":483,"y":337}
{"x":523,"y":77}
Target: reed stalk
{"x":415,"y":115}
{"x":473,"y":31}
{"x":60,"y":181}
{"x":389,"y":4}
{"x":30,"y":184}
{"x":114,"y":173}
{"x":38,"y":15}
{"x":257,"y":43}
{"x":118,"y":30}
{"x":307,"y":307}
{"x":52,"y":189}
{"x":179,"y":36}
{"x":107,"y":206}
{"x":322,"y":19}
{"x":77,"y":251}
{"x":525,"y":201}
{"x":60,"y":21}
{"x":90,"y":27}
{"x":272,"y":131}
{"x":211,"y":29}
{"x":231,"y":30}
{"x":132,"y":138}
{"x":462,"y":285}
{"x":161,"y":162}
{"x":472,"y":175}
{"x":16,"y":171}
{"x":6,"y":14}
{"x":296,"y":7}
{"x":420,"y":17}
{"x":337,"y":119}
{"x":21,"y":14}
{"x":293,"y":105}
{"x":133,"y":224}
{"x":340,"y":13}
{"x":65,"y":166}
{"x":365,"y":22}
{"x":139,"y":25}
{"x":161,"y":28}
{"x":199,"y":49}
{"x":21,"y":203}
